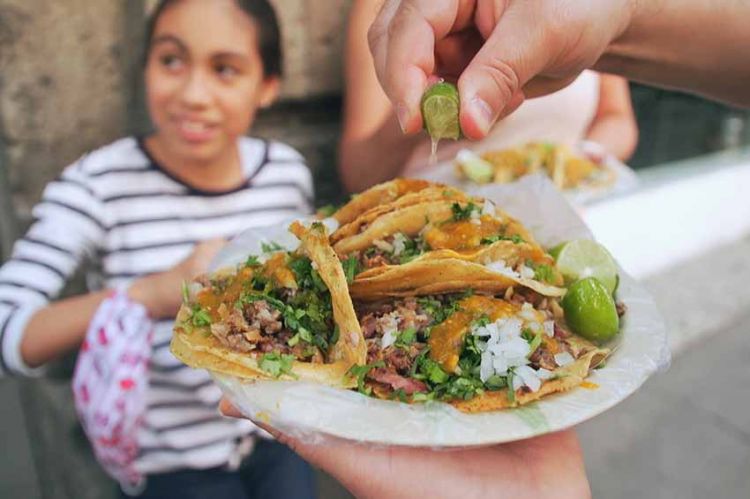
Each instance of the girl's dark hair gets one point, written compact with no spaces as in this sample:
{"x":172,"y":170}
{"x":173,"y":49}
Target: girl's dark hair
{"x":261,"y":12}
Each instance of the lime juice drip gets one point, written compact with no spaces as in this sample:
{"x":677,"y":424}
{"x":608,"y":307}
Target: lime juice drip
{"x":433,"y":150}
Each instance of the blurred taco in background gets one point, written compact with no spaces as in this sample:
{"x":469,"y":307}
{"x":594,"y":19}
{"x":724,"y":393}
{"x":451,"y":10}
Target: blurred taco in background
{"x":566,"y":168}
{"x":286,"y":317}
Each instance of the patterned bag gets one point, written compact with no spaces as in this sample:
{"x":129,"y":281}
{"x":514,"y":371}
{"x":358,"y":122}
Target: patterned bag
{"x":110,"y":383}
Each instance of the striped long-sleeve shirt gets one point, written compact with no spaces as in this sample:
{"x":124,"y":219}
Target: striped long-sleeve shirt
{"x":120,"y":210}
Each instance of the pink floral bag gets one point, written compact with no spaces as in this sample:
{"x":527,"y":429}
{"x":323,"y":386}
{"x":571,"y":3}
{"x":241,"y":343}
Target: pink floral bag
{"x":110,"y":384}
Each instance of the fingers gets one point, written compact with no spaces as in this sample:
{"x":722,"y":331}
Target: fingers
{"x":512,"y":54}
{"x":227,"y":409}
{"x":541,"y":85}
{"x":402,"y":40}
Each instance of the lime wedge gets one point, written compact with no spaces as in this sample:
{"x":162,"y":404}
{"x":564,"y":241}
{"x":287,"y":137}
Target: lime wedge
{"x":474,"y":167}
{"x":590,"y":310}
{"x":585,"y":258}
{"x":440,"y":107}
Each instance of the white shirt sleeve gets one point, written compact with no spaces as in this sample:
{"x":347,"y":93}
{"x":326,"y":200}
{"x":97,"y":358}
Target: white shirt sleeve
{"x":69,"y":225}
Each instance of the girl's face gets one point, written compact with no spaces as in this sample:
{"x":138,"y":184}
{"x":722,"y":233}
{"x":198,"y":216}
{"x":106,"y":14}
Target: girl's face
{"x":204,"y":78}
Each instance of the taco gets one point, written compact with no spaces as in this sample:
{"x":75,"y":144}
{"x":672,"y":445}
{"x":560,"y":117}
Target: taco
{"x":567,"y":169}
{"x":288,"y":317}
{"x":442,"y":236}
{"x":476,"y":352}
{"x":378,"y":195}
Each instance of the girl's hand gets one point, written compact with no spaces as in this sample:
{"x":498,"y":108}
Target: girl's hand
{"x":499,"y":51}
{"x":547,"y":466}
{"x":161,"y":293}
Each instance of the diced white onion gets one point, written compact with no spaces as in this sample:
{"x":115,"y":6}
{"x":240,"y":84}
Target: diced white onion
{"x":549,"y":328}
{"x":563,"y":359}
{"x":383,"y":245}
{"x":543,"y":373}
{"x":485,"y":367}
{"x":388,"y":339}
{"x":488,"y":208}
{"x":500,"y":267}
{"x":529,"y":377}
{"x":399,"y":243}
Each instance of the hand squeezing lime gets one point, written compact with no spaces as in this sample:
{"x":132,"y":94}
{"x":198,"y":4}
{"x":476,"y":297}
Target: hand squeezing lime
{"x":440,"y":106}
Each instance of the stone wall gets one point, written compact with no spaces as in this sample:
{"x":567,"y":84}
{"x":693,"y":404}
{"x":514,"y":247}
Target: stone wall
{"x":62,"y":89}
{"x":70,"y":81}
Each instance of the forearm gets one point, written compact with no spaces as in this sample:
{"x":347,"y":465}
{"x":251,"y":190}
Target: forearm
{"x":60,"y":327}
{"x":619,"y":137}
{"x":692,"y":45}
{"x":364,"y":162}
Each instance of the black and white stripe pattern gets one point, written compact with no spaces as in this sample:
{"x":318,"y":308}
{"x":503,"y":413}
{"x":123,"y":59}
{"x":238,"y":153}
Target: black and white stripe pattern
{"x":119,"y":209}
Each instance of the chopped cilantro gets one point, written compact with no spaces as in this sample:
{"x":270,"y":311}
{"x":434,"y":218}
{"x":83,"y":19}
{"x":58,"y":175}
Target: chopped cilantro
{"x":185,"y":293}
{"x":463,"y":213}
{"x":252,"y":261}
{"x":307,"y":277}
{"x":270,"y":247}
{"x":496,"y":382}
{"x":535,"y":342}
{"x":440,"y":310}
{"x":544,"y":273}
{"x":527,"y":334}
{"x":360,"y":372}
{"x":200,"y":317}
{"x":422,"y":397}
{"x":482,"y":321}
{"x":400,"y":394}
{"x":276,"y":364}
{"x":502,"y":237}
{"x":336,"y":334}
{"x":413,"y":247}
{"x":462,"y":387}
{"x":351,"y":268}
{"x":406,"y":337}
{"x":432,"y":370}
{"x":511,"y":390}
{"x":327,"y":210}
{"x":308,"y":314}
{"x":471,"y":344}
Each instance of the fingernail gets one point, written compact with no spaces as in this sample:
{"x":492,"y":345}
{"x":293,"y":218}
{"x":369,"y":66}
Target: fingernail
{"x":402,"y":113}
{"x":482,"y":113}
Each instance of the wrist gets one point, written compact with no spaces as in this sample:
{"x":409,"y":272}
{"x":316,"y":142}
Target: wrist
{"x":145,"y":291}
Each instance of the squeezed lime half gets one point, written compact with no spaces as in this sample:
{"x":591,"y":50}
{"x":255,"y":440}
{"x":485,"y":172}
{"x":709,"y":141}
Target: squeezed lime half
{"x":583,"y":258}
{"x":590,"y":310}
{"x":440,"y":106}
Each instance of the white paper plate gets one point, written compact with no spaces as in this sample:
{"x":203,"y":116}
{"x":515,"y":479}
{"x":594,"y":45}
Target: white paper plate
{"x":314,"y":412}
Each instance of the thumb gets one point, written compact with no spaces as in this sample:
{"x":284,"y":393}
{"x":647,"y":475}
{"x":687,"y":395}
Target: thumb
{"x":491,"y":85}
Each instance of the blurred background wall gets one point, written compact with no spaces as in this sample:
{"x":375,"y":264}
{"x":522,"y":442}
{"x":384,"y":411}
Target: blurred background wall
{"x":70,"y":82}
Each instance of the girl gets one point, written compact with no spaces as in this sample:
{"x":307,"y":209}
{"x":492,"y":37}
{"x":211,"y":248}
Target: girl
{"x":151,"y":212}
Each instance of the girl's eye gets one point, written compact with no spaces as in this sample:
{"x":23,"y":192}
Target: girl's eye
{"x":170,"y":61}
{"x":225,"y":71}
